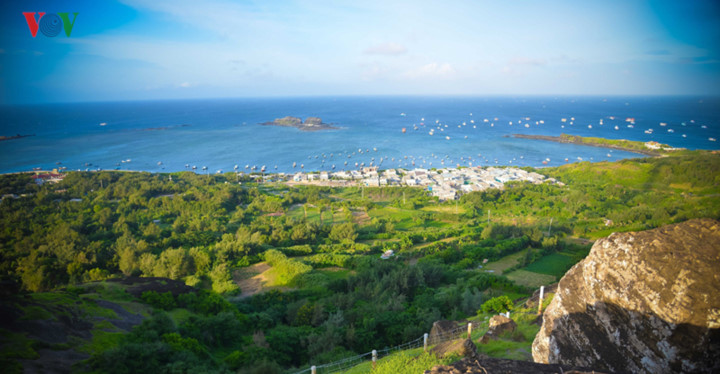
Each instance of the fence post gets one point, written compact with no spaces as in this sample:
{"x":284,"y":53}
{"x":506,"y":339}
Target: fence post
{"x":469,"y":329}
{"x":540,"y":301}
{"x":313,"y":369}
{"x":374,"y":358}
{"x":425,"y":341}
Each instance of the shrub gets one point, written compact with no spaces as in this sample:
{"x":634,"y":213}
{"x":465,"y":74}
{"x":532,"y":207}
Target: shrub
{"x":500,"y":304}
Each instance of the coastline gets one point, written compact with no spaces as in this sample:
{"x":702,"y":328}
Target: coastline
{"x":578,"y":140}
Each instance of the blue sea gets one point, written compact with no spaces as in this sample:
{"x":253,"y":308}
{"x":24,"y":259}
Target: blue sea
{"x":164,"y":136}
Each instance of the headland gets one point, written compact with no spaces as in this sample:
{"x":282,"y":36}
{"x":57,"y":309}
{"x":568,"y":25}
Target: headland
{"x":645,"y":148}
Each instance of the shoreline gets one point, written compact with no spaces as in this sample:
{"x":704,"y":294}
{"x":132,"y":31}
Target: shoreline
{"x":578,"y":140}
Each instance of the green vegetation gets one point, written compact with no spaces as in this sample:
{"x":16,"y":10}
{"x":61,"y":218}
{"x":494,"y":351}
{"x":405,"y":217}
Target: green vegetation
{"x":409,"y":361}
{"x":555,"y":264}
{"x":332,"y":296}
{"x":500,"y":304}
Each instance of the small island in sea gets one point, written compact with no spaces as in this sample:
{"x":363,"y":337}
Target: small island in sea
{"x":18,"y":136}
{"x":310,"y":124}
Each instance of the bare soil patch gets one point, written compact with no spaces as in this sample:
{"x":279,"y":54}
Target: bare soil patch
{"x":251,"y":279}
{"x":361,"y":218}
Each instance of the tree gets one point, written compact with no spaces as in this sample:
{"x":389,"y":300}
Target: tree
{"x":344,"y":232}
{"x":222,"y":280}
{"x":500,"y":304}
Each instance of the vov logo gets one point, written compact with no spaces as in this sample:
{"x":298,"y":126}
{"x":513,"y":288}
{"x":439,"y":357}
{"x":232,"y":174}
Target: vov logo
{"x":49,"y":24}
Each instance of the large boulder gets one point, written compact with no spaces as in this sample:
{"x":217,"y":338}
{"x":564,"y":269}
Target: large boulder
{"x":498,"y":325}
{"x":441,"y":330}
{"x":643,"y":302}
{"x":460,"y":347}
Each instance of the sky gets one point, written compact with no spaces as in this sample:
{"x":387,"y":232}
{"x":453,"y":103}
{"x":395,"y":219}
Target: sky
{"x":182,"y":49}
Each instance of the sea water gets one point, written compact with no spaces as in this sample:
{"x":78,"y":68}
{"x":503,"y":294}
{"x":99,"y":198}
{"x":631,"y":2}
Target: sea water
{"x":165,"y":136}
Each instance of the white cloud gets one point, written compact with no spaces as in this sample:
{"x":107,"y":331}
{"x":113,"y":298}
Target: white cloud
{"x":431,"y":70}
{"x":387,"y":49}
{"x":527,"y":61}
{"x":185,"y":84}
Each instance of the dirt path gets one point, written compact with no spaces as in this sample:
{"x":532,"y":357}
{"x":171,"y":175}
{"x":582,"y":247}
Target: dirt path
{"x":251,"y":279}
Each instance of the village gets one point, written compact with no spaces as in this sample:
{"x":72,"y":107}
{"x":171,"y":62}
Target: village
{"x":446,"y":184}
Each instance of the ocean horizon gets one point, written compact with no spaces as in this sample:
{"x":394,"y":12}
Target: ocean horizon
{"x":218,"y":134}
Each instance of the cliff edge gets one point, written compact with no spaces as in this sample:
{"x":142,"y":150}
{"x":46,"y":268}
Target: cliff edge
{"x":641,"y":302}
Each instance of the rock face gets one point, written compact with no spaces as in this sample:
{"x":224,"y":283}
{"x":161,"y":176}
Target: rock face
{"x":498,"y":325}
{"x":642,"y":302}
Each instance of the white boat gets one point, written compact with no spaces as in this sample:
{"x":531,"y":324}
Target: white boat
{"x":711,"y":139}
{"x":617,"y":128}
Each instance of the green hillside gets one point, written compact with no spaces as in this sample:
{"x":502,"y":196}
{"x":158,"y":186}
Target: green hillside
{"x":272,"y":278}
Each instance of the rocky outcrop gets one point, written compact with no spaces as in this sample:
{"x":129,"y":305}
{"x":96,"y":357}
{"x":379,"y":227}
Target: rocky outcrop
{"x":642,"y":302}
{"x":441,"y":330}
{"x":498,"y":325}
{"x":460,"y":347}
{"x":486,"y":365}
{"x":310,"y":124}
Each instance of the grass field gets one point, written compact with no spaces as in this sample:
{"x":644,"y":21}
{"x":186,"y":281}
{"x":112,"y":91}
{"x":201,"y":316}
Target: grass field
{"x":555,"y":264}
{"x":504,"y":263}
{"x":530,"y":279}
